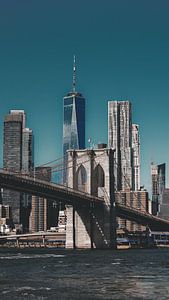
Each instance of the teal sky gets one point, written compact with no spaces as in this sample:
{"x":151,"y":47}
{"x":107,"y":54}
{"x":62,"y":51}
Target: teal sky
{"x":122,"y":50}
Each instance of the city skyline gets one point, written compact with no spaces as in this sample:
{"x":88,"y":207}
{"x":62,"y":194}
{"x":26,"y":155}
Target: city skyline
{"x":112,"y":64}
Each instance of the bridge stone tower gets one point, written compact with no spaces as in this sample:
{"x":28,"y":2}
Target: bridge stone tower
{"x":91,"y":225}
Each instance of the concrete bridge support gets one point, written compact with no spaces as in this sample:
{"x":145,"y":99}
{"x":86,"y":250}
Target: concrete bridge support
{"x":92,"y":226}
{"x":88,"y":228}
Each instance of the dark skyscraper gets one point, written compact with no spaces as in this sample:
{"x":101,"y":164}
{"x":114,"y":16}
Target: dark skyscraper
{"x":12,"y":152}
{"x":73,"y":121}
{"x":44,"y":212}
{"x":16,"y":154}
{"x":161,"y":178}
{"x":27,"y":150}
{"x":158,"y":185}
{"x":27,"y":166}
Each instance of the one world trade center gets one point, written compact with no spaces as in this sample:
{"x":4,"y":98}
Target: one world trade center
{"x":73,"y":122}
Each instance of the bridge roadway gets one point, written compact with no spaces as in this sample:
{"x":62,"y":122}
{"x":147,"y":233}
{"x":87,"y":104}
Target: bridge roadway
{"x":30,"y":185}
{"x":45,"y":189}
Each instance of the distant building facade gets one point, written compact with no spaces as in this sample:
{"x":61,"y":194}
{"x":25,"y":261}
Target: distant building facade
{"x":123,"y":136}
{"x":158,"y":185}
{"x":27,"y":168}
{"x":161,"y":178}
{"x":135,"y":157}
{"x":16,"y":155}
{"x":14,"y":124}
{"x":163,"y":211}
{"x":134,"y":199}
{"x":27,"y":150}
{"x":44,"y":212}
{"x":73,"y":122}
{"x":120,"y":138}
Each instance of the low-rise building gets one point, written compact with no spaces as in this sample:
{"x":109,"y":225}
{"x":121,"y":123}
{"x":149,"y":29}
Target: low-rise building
{"x":133,"y":199}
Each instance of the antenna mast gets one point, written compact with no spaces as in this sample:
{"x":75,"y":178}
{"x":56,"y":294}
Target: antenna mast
{"x":74,"y":74}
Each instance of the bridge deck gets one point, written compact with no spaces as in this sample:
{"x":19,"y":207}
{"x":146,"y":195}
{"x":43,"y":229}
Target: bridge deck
{"x":26,"y":184}
{"x":45,"y":189}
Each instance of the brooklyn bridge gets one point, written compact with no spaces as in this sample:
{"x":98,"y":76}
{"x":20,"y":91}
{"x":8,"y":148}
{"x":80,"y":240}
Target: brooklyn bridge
{"x":91,"y":215}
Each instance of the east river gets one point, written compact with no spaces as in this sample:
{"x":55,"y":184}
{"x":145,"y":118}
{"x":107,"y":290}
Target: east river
{"x":60,"y":274}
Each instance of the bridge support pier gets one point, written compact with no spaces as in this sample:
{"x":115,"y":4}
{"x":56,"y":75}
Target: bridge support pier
{"x":87,"y":229}
{"x":92,"y":225}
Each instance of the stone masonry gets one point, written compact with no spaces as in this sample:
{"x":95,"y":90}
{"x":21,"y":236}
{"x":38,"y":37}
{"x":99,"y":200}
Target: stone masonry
{"x":91,"y":226}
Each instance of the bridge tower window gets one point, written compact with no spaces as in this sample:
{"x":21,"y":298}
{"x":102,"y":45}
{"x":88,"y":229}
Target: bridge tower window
{"x":82,"y":179}
{"x":98,"y":180}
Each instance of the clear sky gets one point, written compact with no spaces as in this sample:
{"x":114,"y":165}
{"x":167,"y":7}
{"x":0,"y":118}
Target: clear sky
{"x":122,"y":50}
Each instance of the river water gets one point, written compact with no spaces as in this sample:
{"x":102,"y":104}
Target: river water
{"x":63,"y":274}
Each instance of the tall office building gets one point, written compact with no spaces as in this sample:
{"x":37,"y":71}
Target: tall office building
{"x":158,"y":185}
{"x":15,"y":152}
{"x":44,"y":212}
{"x":12,"y":151}
{"x":136,"y":157}
{"x":120,"y":138}
{"x":123,"y":136}
{"x":27,"y":168}
{"x":73,"y":122}
{"x":27,"y":150}
{"x":161,"y":178}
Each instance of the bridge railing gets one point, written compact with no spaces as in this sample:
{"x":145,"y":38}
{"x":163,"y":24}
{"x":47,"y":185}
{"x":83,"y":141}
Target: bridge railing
{"x":143,"y":213}
{"x":48,"y":184}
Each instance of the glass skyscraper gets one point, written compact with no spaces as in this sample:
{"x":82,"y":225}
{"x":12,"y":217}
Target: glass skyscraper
{"x":73,"y":122}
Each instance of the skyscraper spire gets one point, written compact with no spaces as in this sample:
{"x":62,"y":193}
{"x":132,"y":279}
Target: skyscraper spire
{"x":74,"y":74}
